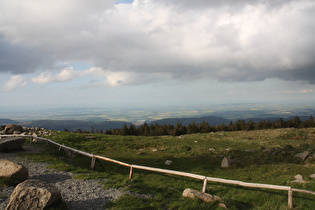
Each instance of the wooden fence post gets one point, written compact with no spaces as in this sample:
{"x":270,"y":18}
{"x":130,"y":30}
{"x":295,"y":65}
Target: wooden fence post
{"x":60,"y":147}
{"x":93,"y":162}
{"x":131,"y":172}
{"x":290,"y":198}
{"x":204,"y":188}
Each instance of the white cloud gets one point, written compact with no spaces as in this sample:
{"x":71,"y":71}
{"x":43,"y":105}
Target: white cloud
{"x":43,"y":78}
{"x":65,"y":75}
{"x":110,"y":78}
{"x":14,"y":82}
{"x":303,"y":91}
{"x":68,"y":74}
{"x":116,"y":79}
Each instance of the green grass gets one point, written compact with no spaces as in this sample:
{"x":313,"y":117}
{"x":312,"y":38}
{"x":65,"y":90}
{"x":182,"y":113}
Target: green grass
{"x":9,"y":181}
{"x":151,"y":190}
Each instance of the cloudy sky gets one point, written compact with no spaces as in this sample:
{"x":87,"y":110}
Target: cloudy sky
{"x":156,"y":52}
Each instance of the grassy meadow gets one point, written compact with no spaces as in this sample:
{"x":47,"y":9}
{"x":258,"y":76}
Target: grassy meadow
{"x":263,"y":156}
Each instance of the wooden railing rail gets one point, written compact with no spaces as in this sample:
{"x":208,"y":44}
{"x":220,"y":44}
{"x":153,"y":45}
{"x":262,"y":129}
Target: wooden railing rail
{"x":179,"y":173}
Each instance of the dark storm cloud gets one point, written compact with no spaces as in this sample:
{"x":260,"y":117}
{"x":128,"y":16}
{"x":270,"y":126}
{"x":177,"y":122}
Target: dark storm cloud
{"x":18,"y":59}
{"x":303,"y":74}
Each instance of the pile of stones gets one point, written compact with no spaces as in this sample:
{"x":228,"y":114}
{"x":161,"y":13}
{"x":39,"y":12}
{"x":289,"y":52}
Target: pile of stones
{"x":28,"y":194}
{"x":19,"y":130}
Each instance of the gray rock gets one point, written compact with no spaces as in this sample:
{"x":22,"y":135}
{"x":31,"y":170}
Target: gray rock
{"x":16,"y":132}
{"x":16,"y":172}
{"x":168,"y":162}
{"x":299,"y":179}
{"x":212,"y":149}
{"x":227,"y":162}
{"x":302,"y":155}
{"x":223,"y":206}
{"x":312,"y":176}
{"x":11,"y":144}
{"x":10,"y":129}
{"x":33,"y":194}
{"x":191,"y":193}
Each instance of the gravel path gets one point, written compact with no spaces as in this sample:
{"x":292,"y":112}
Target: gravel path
{"x":78,"y":194}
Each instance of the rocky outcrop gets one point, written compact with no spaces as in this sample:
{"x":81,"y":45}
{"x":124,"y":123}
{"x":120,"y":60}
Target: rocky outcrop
{"x":191,"y":193}
{"x":33,"y":194}
{"x":37,"y":131}
{"x":11,"y":144}
{"x":13,"y":172}
{"x":12,"y":129}
{"x":17,"y":129}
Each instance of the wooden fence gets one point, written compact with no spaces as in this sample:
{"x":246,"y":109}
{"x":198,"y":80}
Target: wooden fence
{"x":179,"y":173}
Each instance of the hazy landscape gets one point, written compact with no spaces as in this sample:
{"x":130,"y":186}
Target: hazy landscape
{"x":108,"y":118}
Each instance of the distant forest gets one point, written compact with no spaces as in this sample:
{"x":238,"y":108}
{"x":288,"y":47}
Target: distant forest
{"x":204,"y":127}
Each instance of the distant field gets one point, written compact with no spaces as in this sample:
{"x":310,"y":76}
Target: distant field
{"x":132,"y":114}
{"x":269,"y":159}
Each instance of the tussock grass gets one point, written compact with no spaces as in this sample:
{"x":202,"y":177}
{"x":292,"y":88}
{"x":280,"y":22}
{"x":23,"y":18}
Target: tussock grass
{"x":265,"y":156}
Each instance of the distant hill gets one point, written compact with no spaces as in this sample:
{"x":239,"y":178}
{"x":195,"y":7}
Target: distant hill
{"x":303,"y":118}
{"x":7,"y":121}
{"x":212,"y":120}
{"x":73,"y":125}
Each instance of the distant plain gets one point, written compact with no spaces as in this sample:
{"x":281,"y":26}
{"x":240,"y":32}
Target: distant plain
{"x":147,"y":114}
